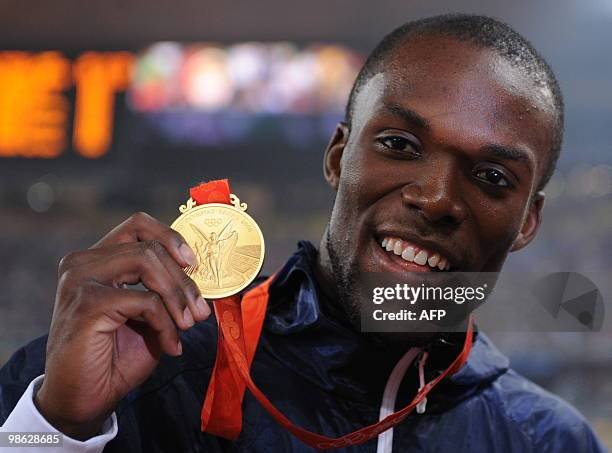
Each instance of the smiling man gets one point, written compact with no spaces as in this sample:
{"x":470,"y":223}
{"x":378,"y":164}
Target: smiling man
{"x":452,"y":130}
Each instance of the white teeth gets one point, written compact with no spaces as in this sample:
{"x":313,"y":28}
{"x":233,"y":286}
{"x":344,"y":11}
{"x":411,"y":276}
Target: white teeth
{"x":408,"y":253}
{"x":397,"y":249}
{"x":442,"y":264}
{"x":390,"y":244}
{"x":433,"y":260}
{"x":421,"y":258}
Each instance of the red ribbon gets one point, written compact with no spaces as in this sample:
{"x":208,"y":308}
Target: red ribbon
{"x":211,"y":192}
{"x":240,"y":323}
{"x":222,"y":408}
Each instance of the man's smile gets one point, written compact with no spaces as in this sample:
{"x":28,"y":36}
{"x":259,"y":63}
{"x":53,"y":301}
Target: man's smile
{"x":388,"y":261}
{"x":388,"y":267}
{"x":413,"y":253}
{"x":399,"y":250}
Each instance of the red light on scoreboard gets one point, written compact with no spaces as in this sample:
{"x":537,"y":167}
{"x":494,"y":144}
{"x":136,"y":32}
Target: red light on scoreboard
{"x":98,"y":77}
{"x":34,"y":110}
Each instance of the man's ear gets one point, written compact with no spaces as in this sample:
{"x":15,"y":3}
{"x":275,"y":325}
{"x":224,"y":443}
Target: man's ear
{"x":531,"y":224}
{"x":332,"y":162}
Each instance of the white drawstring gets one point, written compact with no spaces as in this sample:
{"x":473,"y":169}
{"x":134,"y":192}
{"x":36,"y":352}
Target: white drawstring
{"x":420,"y":408}
{"x":387,"y":407}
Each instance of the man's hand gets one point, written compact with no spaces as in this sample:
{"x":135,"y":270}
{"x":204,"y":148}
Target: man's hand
{"x":105,"y":338}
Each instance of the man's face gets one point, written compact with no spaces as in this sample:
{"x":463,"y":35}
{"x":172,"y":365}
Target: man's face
{"x":444,"y":155}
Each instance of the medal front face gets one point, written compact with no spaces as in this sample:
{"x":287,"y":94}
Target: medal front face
{"x":228,"y":245}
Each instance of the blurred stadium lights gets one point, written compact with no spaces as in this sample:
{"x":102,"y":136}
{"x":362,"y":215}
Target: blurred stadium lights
{"x":40,"y":196}
{"x":585,"y":180}
{"x":581,"y":181}
{"x":205,"y":82}
{"x":276,"y":78}
{"x":170,"y":84}
{"x":210,"y":94}
{"x":601,"y":180}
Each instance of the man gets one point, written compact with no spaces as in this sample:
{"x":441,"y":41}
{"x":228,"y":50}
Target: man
{"x":452,"y":129}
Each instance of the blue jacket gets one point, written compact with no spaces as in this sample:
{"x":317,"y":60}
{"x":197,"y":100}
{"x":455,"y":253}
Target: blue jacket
{"x":327,"y":378}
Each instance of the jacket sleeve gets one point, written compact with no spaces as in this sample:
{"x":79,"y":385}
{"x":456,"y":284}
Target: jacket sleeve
{"x":21,"y":369}
{"x":162,"y":414}
{"x":25,"y":418}
{"x":569,"y":435}
{"x":559,"y":427}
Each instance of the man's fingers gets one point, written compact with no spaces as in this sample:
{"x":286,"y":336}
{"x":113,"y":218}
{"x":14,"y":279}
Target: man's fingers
{"x":159,"y":244}
{"x":196,"y":303}
{"x":143,"y":262}
{"x":198,"y":308}
{"x":144,"y":306}
{"x":143,"y":227}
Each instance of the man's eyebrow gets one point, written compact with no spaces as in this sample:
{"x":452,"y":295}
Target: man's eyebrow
{"x":500,"y":151}
{"x":508,"y":153}
{"x":409,"y":116}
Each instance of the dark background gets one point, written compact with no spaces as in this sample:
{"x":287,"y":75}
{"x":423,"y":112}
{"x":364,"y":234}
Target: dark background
{"x":276,"y":167}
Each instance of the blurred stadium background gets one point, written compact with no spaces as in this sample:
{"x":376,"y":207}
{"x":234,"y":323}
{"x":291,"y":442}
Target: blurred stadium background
{"x":107,"y":108}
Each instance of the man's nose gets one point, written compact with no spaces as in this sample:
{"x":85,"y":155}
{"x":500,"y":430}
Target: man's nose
{"x":436,"y":193}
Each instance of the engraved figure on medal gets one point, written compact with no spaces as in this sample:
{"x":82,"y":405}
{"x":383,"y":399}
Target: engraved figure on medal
{"x":227,"y":243}
{"x":214,"y":254}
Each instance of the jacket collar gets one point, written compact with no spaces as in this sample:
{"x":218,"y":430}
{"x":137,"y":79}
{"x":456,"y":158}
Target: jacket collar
{"x":327,"y":352}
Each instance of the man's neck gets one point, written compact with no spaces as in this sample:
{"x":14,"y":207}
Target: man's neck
{"x":324,"y":273}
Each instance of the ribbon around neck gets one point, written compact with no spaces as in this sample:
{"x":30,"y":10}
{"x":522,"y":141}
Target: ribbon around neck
{"x":240,"y":321}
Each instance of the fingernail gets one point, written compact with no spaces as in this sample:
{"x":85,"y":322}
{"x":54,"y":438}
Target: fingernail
{"x":188,"y":254}
{"x":203,"y":307}
{"x":180,"y":348}
{"x":188,"y":317}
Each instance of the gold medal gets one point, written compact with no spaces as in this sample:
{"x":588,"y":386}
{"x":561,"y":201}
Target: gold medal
{"x":228,"y":245}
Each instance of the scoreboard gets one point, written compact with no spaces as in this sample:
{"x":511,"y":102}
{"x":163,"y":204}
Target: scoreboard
{"x":36,"y":112}
{"x":53,"y":105}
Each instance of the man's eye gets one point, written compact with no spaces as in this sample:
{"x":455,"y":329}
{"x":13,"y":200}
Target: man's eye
{"x":493,"y":176}
{"x":397,"y":143}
